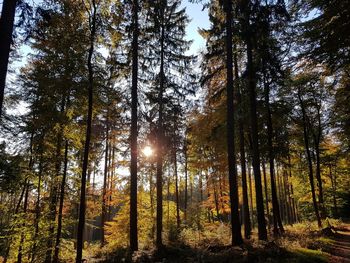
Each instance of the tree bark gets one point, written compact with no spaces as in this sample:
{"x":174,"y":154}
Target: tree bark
{"x":251,"y":194}
{"x":246,"y":213}
{"x":232,"y":169}
{"x":309,"y":160}
{"x":104,"y":189}
{"x":82,"y":207}
{"x":60,"y":209}
{"x":266,"y":194}
{"x":277,"y":221}
{"x":186,"y":180}
{"x":133,"y":131}
{"x":176,"y":190}
{"x":262,"y":232}
{"x":6,"y":28}
{"x":160,"y":138}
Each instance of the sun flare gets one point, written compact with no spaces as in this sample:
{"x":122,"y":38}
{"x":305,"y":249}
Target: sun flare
{"x":147,"y":151}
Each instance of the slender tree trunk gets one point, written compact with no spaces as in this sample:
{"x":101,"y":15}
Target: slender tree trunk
{"x":200,"y":184}
{"x":318,"y":174}
{"x":251,"y":193}
{"x":289,"y":199}
{"x":168,"y":199}
{"x":317,"y":139}
{"x":277,"y":221}
{"x":232,"y":169}
{"x":215,"y":198}
{"x":291,"y":188}
{"x":60,"y":209}
{"x":160,"y":136}
{"x":176,"y":191}
{"x":186,"y":181}
{"x":104,"y":189}
{"x":6,"y":29}
{"x":246,"y":213}
{"x":152,"y":201}
{"x":262,"y":232}
{"x":309,"y":160}
{"x":208,"y":193}
{"x":334,"y":191}
{"x":82,"y":207}
{"x":266,"y":194}
{"x":25,"y":206}
{"x":37,"y":206}
{"x":54,"y":187}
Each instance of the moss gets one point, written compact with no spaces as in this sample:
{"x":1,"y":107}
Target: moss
{"x":308,"y":255}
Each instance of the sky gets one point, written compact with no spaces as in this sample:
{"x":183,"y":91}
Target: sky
{"x":199,"y":19}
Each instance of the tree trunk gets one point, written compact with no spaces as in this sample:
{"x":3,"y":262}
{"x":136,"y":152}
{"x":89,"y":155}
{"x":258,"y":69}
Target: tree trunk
{"x":104,"y":189}
{"x":160,"y":137}
{"x":317,"y":139}
{"x":277,"y":221}
{"x":309,"y":160}
{"x":6,"y":28}
{"x":25,"y":206}
{"x":266,"y":194}
{"x":186,"y":181}
{"x":251,"y":194}
{"x":334,"y":191}
{"x":176,"y":191}
{"x":246,"y":213}
{"x":262,"y":232}
{"x":82,"y":207}
{"x":232,"y":169}
{"x":60,"y":209}
{"x":37,"y":206}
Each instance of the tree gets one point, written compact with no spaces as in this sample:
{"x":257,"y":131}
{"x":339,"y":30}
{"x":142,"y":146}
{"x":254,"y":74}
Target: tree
{"x":247,"y":27}
{"x":236,"y":226}
{"x":133,"y":132}
{"x":92,"y":14}
{"x":6,"y":28}
{"x":167,"y":46}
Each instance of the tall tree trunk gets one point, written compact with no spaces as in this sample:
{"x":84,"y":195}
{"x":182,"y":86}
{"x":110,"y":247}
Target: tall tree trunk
{"x":309,"y":160}
{"x":82,"y":206}
{"x":54,"y":187}
{"x":277,"y":221}
{"x":176,"y":191}
{"x":37,"y":205}
{"x":246,"y":213}
{"x":186,"y":180}
{"x":60,"y":209}
{"x":262,"y":232}
{"x":232,"y":169}
{"x":251,"y":193}
{"x":152,"y":201}
{"x":266,"y":194}
{"x":291,"y":188}
{"x":208,"y":193}
{"x":160,"y":136}
{"x":317,"y":139}
{"x":289,"y":199}
{"x":25,"y":206}
{"x":6,"y":27}
{"x":334,"y":190}
{"x":104,"y":189}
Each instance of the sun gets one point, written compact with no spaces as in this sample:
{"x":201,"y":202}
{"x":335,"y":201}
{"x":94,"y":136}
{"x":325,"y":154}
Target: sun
{"x":147,"y":151}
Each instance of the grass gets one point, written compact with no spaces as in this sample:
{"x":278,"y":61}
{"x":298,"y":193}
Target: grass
{"x":308,"y":255}
{"x":301,"y":243}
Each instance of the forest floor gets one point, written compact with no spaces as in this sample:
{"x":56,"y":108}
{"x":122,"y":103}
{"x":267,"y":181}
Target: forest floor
{"x":300,"y":243}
